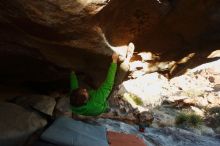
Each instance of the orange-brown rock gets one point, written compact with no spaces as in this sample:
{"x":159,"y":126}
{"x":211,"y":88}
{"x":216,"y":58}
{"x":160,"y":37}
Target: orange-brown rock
{"x":40,"y":39}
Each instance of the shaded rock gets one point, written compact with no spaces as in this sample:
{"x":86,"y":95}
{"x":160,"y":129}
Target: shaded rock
{"x":42,"y":103}
{"x":197,"y":131}
{"x":213,"y":117}
{"x":145,"y":118}
{"x":124,"y":110}
{"x":129,"y":118}
{"x":145,"y":19}
{"x":206,"y":130}
{"x":121,"y":110}
{"x":201,"y":130}
{"x":9,"y":91}
{"x":217,"y":130}
{"x":63,"y":107}
{"x":48,"y":36}
{"x":51,"y":36}
{"x":164,"y":117}
{"x":45,"y":104}
{"x":67,"y":20}
{"x":17,"y":124}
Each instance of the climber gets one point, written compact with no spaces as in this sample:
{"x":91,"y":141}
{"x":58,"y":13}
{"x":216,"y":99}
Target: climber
{"x":92,"y":102}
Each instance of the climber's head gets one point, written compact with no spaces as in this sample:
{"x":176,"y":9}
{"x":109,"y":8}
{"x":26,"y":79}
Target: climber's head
{"x":79,"y":97}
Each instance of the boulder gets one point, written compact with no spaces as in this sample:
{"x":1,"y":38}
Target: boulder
{"x":164,"y":117}
{"x":51,"y":36}
{"x":149,"y":88}
{"x":217,"y":130}
{"x":197,"y":111}
{"x":206,"y":130}
{"x":42,"y":103}
{"x":63,"y":108}
{"x":17,"y":124}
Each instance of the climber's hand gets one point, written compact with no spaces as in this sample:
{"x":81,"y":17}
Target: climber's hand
{"x":114,"y":57}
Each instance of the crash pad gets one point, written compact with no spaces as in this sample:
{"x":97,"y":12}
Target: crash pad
{"x":68,"y":132}
{"x":122,"y":139}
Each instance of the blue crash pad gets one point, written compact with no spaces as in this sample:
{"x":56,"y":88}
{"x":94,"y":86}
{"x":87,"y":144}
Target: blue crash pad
{"x":68,"y":132}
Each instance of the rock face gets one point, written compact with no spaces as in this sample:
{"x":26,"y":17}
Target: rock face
{"x":41,"y":103}
{"x":148,"y":87}
{"x":192,"y":89}
{"x":160,"y":26}
{"x":195,"y":92}
{"x":18,"y":124}
{"x":39,"y":39}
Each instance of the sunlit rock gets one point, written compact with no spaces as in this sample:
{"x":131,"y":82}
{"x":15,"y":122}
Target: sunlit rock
{"x":197,"y":111}
{"x":148,"y":88}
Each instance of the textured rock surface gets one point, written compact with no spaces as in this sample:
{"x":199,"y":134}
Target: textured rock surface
{"x":40,"y":38}
{"x":193,"y":88}
{"x":160,"y":26}
{"x":18,"y":124}
{"x":42,"y":103}
{"x":149,"y":88}
{"x":195,"y":92}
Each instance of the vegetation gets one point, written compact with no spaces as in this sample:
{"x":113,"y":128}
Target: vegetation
{"x":189,"y":119}
{"x":181,"y":118}
{"x":137,"y":100}
{"x":195,"y":120}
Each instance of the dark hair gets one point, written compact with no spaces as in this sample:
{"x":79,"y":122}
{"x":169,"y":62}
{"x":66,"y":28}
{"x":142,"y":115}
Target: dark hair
{"x":77,"y":98}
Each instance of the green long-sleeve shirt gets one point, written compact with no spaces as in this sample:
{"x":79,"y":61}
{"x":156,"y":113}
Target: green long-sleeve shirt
{"x":97,"y":102}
